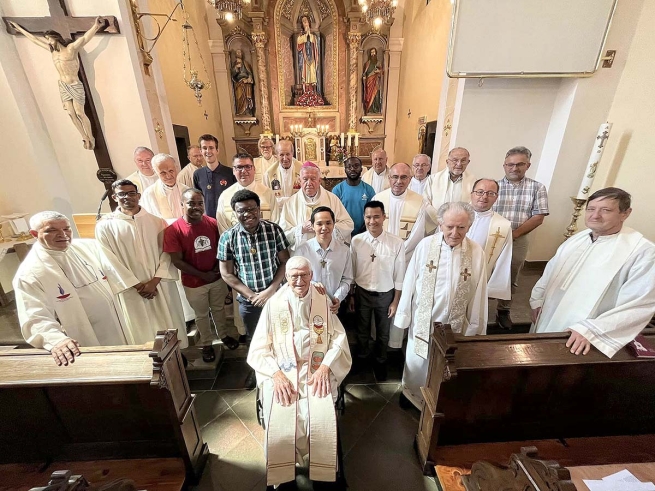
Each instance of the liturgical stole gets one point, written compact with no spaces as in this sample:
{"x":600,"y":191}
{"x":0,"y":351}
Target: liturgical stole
{"x":440,"y":186}
{"x":408,"y":213}
{"x":498,"y":230}
{"x":281,"y":427}
{"x":162,"y":201}
{"x":458,"y":304}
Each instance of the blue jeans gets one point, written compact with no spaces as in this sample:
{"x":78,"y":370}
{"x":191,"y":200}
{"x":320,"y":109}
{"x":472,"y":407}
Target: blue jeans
{"x":250,"y":314}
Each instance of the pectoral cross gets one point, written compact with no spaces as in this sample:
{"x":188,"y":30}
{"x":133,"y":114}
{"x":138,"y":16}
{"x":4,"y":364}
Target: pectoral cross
{"x":496,"y":236}
{"x":431,"y":266}
{"x":373,"y":256}
{"x":323,"y":263}
{"x":604,"y":136}
{"x":465,"y":274}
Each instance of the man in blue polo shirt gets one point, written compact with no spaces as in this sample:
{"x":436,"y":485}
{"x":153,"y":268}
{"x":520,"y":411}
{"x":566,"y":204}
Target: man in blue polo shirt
{"x":354,"y":193}
{"x":213,"y":179}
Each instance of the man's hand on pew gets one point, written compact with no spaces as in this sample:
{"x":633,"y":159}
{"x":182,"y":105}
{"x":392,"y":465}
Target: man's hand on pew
{"x":578,"y":343}
{"x":283,"y":390}
{"x":535,"y":314}
{"x":65,"y":352}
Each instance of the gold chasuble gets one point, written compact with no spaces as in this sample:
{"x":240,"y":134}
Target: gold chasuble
{"x":408,"y":213}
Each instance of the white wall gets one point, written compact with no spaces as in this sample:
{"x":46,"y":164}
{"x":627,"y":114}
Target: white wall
{"x":501,"y":114}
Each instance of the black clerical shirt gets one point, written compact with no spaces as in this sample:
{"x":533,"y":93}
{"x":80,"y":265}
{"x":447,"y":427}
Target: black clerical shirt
{"x":211,"y":184}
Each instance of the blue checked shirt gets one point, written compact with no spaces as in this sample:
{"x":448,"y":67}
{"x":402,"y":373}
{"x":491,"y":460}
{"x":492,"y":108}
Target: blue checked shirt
{"x":256,"y":271}
{"x":522,"y":201}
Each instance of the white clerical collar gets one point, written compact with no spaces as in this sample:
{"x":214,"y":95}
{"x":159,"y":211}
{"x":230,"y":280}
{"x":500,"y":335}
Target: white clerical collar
{"x":419,"y":180}
{"x":285,"y":171}
{"x":167,"y":188}
{"x":400,"y":196}
{"x":446,"y":247}
{"x":381,"y":173}
{"x":55,"y":254}
{"x":248,"y":187}
{"x":483,"y":214}
{"x":603,"y":238}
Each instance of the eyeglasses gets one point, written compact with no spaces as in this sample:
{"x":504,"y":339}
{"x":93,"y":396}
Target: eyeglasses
{"x":458,"y":161}
{"x":267,"y":147}
{"x":126,"y":194}
{"x":243,"y":211}
{"x":241,"y":168}
{"x":301,"y":276}
{"x":480,"y":192}
{"x":399,"y":178}
{"x":514,"y":166}
{"x":421,"y":166}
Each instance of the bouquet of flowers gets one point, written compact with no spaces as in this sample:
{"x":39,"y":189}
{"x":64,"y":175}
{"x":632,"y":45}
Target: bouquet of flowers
{"x":340,"y":155}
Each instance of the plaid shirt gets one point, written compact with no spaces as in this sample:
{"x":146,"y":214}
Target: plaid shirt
{"x":256,"y":271}
{"x":522,"y":201}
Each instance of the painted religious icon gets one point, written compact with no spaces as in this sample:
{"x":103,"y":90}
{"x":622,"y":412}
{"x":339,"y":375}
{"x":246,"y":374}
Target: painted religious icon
{"x":372,"y":77}
{"x":309,"y":57}
{"x":242,"y":79}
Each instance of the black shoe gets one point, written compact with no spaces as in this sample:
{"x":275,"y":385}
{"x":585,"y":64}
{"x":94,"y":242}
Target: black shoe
{"x":208,"y":354}
{"x":251,"y":380}
{"x":189,"y":326}
{"x":243,"y":339}
{"x":185,"y":362}
{"x":380,"y":371}
{"x":504,"y":320}
{"x":230,"y":343}
{"x":403,"y":402}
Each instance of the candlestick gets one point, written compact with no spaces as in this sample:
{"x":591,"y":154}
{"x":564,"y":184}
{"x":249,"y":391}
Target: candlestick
{"x":594,"y":160}
{"x":577,"y":210}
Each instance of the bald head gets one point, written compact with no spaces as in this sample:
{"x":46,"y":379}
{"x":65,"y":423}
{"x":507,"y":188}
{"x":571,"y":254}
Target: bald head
{"x":284,"y":150}
{"x":399,"y":176}
{"x":164,"y":165}
{"x":379,"y":160}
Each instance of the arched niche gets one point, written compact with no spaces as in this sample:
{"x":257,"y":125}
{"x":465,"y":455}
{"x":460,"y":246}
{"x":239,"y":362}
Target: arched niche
{"x":323,"y":15}
{"x":239,"y":40}
{"x":377,"y":42}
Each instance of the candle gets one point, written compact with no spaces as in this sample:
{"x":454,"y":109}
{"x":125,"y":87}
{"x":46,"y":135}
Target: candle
{"x":277,"y":138}
{"x":594,"y":160}
{"x":342,"y":139}
{"x":356,"y":139}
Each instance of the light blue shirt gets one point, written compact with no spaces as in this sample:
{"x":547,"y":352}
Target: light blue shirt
{"x":336,"y":274}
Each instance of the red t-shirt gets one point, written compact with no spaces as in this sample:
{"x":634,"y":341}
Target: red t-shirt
{"x":198,"y":244}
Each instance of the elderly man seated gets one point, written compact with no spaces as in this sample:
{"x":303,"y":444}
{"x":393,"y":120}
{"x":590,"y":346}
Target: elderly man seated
{"x":62,"y":294}
{"x":300,"y":354}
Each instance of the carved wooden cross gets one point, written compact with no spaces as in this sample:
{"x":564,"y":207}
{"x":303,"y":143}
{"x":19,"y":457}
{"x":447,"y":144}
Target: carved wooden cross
{"x":496,"y":236}
{"x":465,"y":274}
{"x":373,"y":256}
{"x":604,"y":136}
{"x":431,"y":266}
{"x":68,"y":27}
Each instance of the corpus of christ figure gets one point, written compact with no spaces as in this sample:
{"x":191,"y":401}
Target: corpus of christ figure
{"x":67,"y":62}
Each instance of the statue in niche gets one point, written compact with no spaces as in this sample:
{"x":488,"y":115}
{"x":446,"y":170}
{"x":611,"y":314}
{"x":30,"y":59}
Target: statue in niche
{"x":310,"y":150}
{"x":372,"y":78}
{"x":308,"y":48}
{"x":65,"y":56}
{"x":242,"y":79}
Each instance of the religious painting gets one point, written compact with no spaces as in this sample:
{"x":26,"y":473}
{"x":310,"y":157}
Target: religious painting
{"x":309,"y":49}
{"x":372,"y":79}
{"x":243,"y":84}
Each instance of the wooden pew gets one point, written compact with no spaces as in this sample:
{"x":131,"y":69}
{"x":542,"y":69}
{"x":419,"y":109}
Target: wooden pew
{"x":117,"y":412}
{"x":488,"y":396}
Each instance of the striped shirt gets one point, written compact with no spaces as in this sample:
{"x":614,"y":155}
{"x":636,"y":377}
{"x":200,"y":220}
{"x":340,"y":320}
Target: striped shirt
{"x":519,"y":202}
{"x":254,"y":255}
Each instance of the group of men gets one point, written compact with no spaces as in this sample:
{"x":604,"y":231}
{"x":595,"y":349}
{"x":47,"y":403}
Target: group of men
{"x":398,"y":246}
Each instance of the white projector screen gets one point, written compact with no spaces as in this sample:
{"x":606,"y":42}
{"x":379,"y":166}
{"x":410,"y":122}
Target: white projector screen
{"x":519,"y":38}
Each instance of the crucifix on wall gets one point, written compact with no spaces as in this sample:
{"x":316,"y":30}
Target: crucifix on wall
{"x":60,"y":32}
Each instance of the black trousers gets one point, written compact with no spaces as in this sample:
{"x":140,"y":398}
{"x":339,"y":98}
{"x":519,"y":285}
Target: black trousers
{"x":373,"y":305}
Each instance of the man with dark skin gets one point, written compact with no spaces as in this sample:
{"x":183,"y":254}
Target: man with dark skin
{"x":252,"y":256}
{"x":192,"y":242}
{"x":354,"y":193}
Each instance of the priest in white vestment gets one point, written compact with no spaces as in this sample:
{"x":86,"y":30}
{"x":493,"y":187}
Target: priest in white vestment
{"x":144,"y":176}
{"x":421,"y":164}
{"x":377,"y":175}
{"x":62,"y":295}
{"x":139,"y":272}
{"x":407,"y":212}
{"x":266,"y":158}
{"x":164,"y":200}
{"x":296,"y":212}
{"x":446,"y":282}
{"x":300,"y":354}
{"x":492,"y":232}
{"x":283,"y":177}
{"x":454,"y":183}
{"x":600,"y":285}
{"x":244,"y":171}
{"x":196,"y":161}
